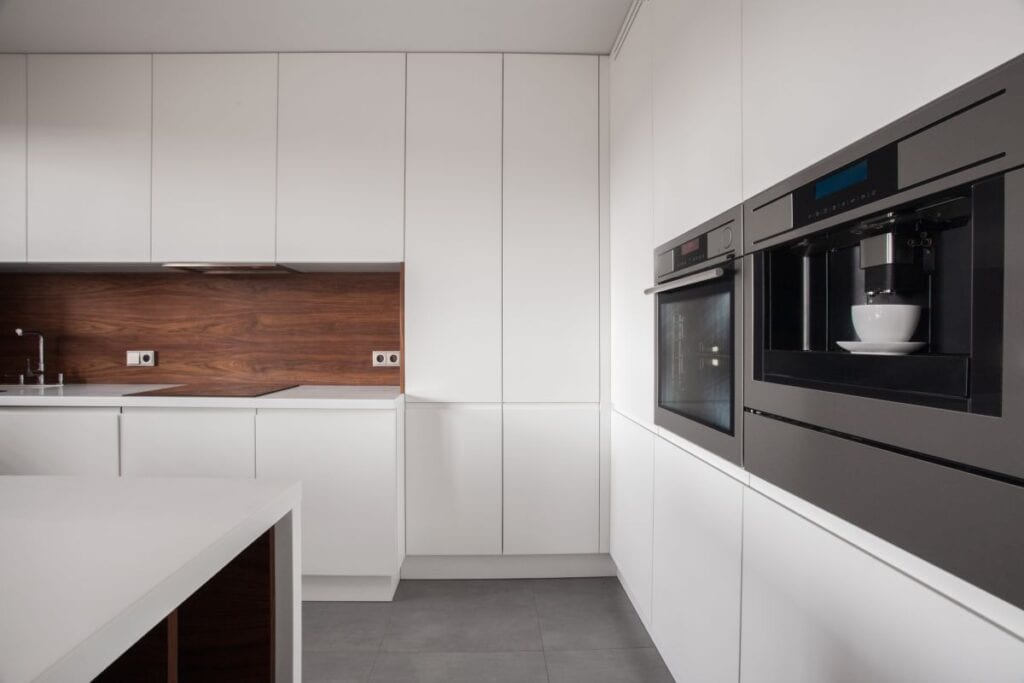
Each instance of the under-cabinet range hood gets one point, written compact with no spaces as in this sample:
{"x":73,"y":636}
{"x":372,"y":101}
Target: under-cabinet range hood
{"x":231,"y":268}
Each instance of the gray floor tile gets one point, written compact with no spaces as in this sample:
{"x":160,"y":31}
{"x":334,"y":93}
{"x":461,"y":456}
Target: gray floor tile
{"x":337,"y":667}
{"x":607,"y":666}
{"x":344,"y":626}
{"x":588,"y":614}
{"x":429,"y":594}
{"x":463,"y":628}
{"x":495,"y":667}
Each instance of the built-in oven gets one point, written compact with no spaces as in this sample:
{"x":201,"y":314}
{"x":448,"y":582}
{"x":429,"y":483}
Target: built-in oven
{"x":885,"y":332}
{"x":698,"y":324}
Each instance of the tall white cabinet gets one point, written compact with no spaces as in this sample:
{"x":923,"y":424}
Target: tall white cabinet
{"x":12,"y":157}
{"x":453,"y":280}
{"x":632,"y":509}
{"x":550,"y":231}
{"x":340,"y":162}
{"x":89,"y":135}
{"x":214,"y":157}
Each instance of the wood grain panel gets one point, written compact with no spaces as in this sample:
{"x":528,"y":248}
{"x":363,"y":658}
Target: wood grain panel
{"x":314,"y":328}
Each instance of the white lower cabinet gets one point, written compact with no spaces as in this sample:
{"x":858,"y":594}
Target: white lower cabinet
{"x":188,"y":442}
{"x":348,"y":462}
{"x":69,"y":441}
{"x":551,"y":479}
{"x":816,"y":608}
{"x":453,"y":470}
{"x":632,"y":501}
{"x":697,"y":554}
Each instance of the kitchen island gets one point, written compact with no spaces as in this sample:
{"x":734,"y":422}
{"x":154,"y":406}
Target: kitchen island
{"x":118,"y":577}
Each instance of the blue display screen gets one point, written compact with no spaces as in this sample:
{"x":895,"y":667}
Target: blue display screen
{"x":840,"y":180}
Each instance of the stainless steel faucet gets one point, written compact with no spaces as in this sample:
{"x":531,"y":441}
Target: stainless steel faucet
{"x":40,"y":372}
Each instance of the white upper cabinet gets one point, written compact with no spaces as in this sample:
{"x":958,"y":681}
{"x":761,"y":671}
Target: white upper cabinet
{"x":214,"y":157}
{"x":551,"y":479}
{"x":697,"y":112}
{"x":551,"y":229}
{"x":12,"y":157}
{"x":453,"y":229}
{"x":341,"y":147}
{"x":89,"y":139}
{"x":632,"y":232}
{"x":820,"y":75}
{"x":817,"y":608}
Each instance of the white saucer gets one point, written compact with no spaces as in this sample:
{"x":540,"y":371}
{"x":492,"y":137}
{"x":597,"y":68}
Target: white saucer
{"x":881,"y":348}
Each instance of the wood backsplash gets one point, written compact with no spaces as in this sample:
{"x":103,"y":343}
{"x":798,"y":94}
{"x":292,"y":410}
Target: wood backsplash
{"x":298,"y":328}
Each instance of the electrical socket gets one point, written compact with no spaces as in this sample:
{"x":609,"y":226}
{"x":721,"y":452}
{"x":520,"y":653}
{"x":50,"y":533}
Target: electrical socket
{"x":386,"y":359}
{"x":140,"y":359}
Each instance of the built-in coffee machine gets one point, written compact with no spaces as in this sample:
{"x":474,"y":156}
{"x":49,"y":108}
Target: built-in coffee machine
{"x":884,"y":373}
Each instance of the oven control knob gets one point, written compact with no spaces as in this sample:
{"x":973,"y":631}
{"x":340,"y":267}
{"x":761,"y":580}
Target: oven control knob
{"x":727,"y":237}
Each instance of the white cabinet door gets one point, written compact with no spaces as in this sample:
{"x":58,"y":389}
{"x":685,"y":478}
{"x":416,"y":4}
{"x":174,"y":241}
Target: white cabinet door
{"x":816,"y":608}
{"x":698,"y":517}
{"x":214,"y":150}
{"x":820,"y":75}
{"x":188,"y":442}
{"x":346,"y":461}
{"x":68,"y":441}
{"x":551,"y":475}
{"x":632,"y":508}
{"x":89,"y":141}
{"x":12,"y":157}
{"x":632,"y":232}
{"x":697,"y":112}
{"x":453,"y":229}
{"x":453,"y":486}
{"x":341,"y":157}
{"x":551,"y":229}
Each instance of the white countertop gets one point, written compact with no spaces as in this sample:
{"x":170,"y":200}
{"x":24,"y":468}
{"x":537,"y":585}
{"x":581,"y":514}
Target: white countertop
{"x":89,"y":565}
{"x":336,"y":397}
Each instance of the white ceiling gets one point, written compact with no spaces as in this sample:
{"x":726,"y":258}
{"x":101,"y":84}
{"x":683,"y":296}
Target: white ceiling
{"x":575,"y":26}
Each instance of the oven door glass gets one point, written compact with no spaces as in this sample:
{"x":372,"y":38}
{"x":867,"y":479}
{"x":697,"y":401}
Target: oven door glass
{"x":695,"y":353}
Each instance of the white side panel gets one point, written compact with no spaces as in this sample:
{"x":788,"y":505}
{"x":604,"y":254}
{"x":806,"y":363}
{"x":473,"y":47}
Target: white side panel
{"x":341,"y":157}
{"x":89,"y":140}
{"x":184,"y":442}
{"x":214,"y":157}
{"x":12,"y":157}
{"x":697,"y":112}
{"x":67,"y":441}
{"x":632,"y":232}
{"x":346,"y":462}
{"x":816,"y":608}
{"x":632,"y":509}
{"x":453,"y":465}
{"x":698,"y":517}
{"x":551,"y":229}
{"x":453,"y":229}
{"x":820,"y":75}
{"x":551,"y":473}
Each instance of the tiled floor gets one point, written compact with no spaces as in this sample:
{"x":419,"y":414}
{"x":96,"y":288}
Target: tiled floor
{"x":557,"y":630}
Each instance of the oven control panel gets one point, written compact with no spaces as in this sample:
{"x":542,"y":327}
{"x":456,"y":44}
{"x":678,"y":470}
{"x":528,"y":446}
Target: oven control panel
{"x":678,"y":256}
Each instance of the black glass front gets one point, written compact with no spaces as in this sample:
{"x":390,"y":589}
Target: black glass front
{"x":695,"y":353}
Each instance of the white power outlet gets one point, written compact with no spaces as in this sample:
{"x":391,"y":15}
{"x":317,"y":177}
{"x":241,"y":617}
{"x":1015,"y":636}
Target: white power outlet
{"x":386,"y":359}
{"x":141,"y":358}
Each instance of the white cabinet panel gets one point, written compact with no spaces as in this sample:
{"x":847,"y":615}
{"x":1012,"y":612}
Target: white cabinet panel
{"x":551,"y":475}
{"x":341,"y":147}
{"x":188,"y":442}
{"x":453,"y":466}
{"x":697,"y":112}
{"x":632,"y":232}
{"x":453,"y":229}
{"x":816,"y":608}
{"x":346,"y":461}
{"x":820,"y":75}
{"x":66,"y":441}
{"x":12,"y":157}
{"x":698,"y":517}
{"x":632,"y":475}
{"x":551,"y":229}
{"x":89,"y":141}
{"x":214,"y":157}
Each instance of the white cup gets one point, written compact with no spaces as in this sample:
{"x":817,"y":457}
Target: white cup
{"x":885,"y":322}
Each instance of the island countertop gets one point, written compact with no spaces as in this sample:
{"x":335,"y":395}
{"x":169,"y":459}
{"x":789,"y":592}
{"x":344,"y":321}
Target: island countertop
{"x":91,"y":564}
